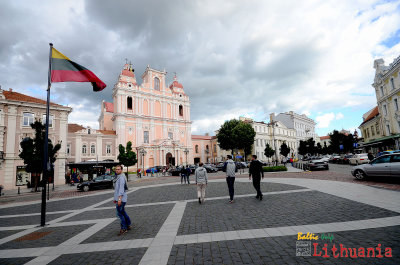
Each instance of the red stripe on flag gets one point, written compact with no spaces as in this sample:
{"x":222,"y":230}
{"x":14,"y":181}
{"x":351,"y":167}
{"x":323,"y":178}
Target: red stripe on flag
{"x":77,"y":76}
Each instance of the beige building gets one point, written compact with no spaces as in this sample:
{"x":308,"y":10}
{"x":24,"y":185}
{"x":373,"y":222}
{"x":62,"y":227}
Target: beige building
{"x":17,"y":112}
{"x":386,"y":118}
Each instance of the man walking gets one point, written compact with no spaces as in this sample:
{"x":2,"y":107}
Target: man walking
{"x":201,"y":181}
{"x":120,"y":198}
{"x":230,"y":169}
{"x":256,"y":171}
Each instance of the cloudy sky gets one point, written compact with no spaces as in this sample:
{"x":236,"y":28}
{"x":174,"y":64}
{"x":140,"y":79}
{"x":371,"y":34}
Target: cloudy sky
{"x":234,"y":58}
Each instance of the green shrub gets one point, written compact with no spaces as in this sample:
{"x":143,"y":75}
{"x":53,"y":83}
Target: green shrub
{"x":274,"y":169}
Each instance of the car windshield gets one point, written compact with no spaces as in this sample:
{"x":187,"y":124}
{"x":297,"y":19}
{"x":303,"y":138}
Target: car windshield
{"x":100,"y":178}
{"x":385,"y":159}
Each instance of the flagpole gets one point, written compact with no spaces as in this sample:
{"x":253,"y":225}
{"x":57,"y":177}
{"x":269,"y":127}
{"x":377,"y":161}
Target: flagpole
{"x":46,"y":145}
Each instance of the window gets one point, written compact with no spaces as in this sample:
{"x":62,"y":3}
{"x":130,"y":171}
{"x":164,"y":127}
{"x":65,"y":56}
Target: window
{"x":50,"y":120}
{"x":129,"y":103}
{"x":68,"y":149}
{"x":157,"y":83}
{"x":170,"y":135}
{"x":215,"y":148}
{"x":146,"y":137}
{"x":84,"y":149}
{"x":396,"y":104}
{"x":392,"y":83}
{"x":180,"y":110}
{"x":92,"y":149}
{"x":385,"y":159}
{"x":28,"y":118}
{"x":196,"y":148}
{"x":207,"y":149}
{"x":396,"y":158}
{"x":108,"y":149}
{"x":388,"y":128}
{"x":382,"y":91}
{"x":377,"y":128}
{"x":385,"y":110}
{"x":372,"y":130}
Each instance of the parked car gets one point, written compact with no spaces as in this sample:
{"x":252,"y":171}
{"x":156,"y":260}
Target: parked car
{"x":220,"y":166}
{"x":334,"y":159}
{"x":317,"y":164}
{"x":193,"y":168}
{"x":359,"y":159}
{"x":210,"y":168}
{"x":175,"y":171}
{"x":344,"y":159}
{"x":100,"y":182}
{"x":383,"y":166}
{"x":325,"y":158}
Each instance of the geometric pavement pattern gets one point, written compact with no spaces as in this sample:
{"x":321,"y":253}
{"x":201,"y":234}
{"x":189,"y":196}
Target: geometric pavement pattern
{"x":170,"y":227}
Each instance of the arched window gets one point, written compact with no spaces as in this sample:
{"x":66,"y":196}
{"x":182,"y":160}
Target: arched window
{"x":84,"y":149}
{"x":180,"y":110}
{"x":92,"y":149}
{"x":196,"y":148}
{"x":129,"y":103}
{"x":157,"y":83}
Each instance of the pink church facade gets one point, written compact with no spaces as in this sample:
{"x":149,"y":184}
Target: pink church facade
{"x":153,"y":116}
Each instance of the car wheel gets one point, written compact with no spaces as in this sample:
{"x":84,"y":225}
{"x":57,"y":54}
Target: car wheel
{"x":85,"y":188}
{"x":359,"y":174}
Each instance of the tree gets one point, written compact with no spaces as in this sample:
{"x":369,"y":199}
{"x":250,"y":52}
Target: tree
{"x":235,"y":134}
{"x":284,"y":150}
{"x":319,"y":148}
{"x":268,"y":151}
{"x":341,"y":143}
{"x":127,"y":157}
{"x":33,"y":152}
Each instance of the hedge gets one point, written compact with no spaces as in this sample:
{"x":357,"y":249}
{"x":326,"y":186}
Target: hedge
{"x":274,"y":169}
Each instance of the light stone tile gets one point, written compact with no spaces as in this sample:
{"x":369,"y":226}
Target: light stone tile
{"x":218,"y":236}
{"x":206,"y":237}
{"x":231,"y":235}
{"x":178,"y":240}
{"x":272,"y":232}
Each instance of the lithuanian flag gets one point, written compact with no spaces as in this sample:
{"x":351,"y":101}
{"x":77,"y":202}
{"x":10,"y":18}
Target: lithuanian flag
{"x":65,"y":70}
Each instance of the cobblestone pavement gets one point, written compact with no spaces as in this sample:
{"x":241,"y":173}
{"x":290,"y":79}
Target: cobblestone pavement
{"x":343,"y":220}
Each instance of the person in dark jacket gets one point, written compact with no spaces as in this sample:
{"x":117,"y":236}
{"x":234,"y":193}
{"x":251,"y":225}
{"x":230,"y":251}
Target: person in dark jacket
{"x":188,"y":172}
{"x":183,"y":174}
{"x":257,"y":172}
{"x":370,"y":156}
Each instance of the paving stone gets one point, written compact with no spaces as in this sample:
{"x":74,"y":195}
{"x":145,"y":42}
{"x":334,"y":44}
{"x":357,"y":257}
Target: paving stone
{"x":14,"y":261}
{"x":125,"y":256}
{"x":56,"y":236}
{"x":7,"y":233}
{"x":147,"y":221}
{"x":282,"y":250}
{"x":28,"y":220}
{"x":276,"y":210}
{"x":187,"y":192}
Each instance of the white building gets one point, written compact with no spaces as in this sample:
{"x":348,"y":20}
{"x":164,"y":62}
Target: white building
{"x":273,"y":134}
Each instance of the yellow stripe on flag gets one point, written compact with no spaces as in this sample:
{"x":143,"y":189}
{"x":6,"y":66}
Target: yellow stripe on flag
{"x":58,"y":55}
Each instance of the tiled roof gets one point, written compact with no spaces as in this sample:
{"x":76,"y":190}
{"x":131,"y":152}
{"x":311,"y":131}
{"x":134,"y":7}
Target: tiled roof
{"x":73,"y":127}
{"x":176,"y":84}
{"x":201,"y":137}
{"x":373,"y":114}
{"x":325,"y":137}
{"x":15,"y":96}
{"x":109,"y":106}
{"x":108,"y":132}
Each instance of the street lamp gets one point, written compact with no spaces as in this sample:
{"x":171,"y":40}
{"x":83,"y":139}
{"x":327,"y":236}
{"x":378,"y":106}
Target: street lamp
{"x":273,"y":124}
{"x":186,"y":151}
{"x":142,"y":152}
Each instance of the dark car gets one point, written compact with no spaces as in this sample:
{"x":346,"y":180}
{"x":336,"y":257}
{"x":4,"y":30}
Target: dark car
{"x":175,"y":171}
{"x":210,"y":168}
{"x":100,"y":182}
{"x":220,"y":166}
{"x":192,"y":168}
{"x":317,"y":164}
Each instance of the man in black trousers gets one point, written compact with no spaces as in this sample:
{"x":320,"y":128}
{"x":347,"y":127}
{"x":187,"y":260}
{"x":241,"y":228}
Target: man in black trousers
{"x":256,"y":171}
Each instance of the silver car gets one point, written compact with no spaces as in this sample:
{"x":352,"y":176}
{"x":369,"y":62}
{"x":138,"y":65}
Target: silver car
{"x":383,"y":166}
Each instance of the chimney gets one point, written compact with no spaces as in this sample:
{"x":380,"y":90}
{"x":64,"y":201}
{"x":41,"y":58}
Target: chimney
{"x":10,"y":89}
{"x":271,"y":117}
